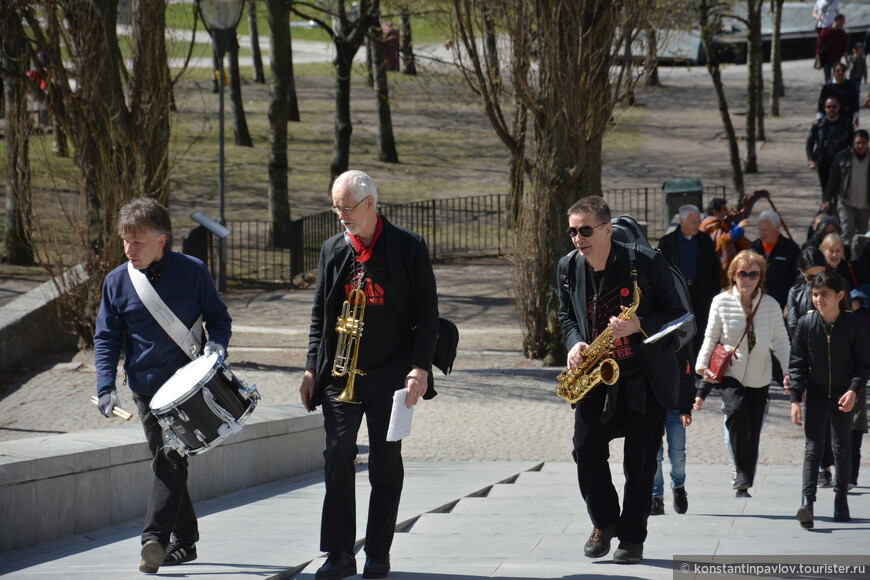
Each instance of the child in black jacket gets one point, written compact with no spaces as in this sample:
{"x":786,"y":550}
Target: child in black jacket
{"x":830,"y":362}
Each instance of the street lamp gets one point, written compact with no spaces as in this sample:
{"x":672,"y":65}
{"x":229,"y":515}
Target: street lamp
{"x":221,"y":18}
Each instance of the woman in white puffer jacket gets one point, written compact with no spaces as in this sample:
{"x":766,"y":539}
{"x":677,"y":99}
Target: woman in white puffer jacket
{"x":746,"y":382}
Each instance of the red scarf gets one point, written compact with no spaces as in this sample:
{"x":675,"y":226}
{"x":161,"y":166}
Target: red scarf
{"x":363,"y":252}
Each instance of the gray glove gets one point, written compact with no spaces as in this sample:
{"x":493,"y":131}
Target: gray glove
{"x":108,"y":401}
{"x":213,"y":347}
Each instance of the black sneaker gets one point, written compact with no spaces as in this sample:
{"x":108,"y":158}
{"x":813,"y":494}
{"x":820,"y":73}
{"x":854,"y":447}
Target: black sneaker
{"x":598,"y":544}
{"x":152,"y":557}
{"x":628,"y":553}
{"x":742,"y":492}
{"x":681,"y":500}
{"x":179,"y":553}
{"x":658,"y":506}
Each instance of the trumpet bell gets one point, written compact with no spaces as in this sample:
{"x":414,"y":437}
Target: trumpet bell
{"x":347,"y":396}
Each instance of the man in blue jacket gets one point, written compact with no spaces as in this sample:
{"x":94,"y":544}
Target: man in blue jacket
{"x":151,"y":357}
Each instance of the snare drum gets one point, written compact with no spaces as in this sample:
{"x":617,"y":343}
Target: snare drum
{"x":202,"y":404}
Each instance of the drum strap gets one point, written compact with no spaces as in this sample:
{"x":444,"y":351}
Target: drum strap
{"x":186,"y":339}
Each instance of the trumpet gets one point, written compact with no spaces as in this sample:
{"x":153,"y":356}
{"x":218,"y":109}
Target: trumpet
{"x":597,"y":367}
{"x":350,"y":328}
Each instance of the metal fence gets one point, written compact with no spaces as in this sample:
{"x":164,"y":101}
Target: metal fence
{"x":457,"y":227}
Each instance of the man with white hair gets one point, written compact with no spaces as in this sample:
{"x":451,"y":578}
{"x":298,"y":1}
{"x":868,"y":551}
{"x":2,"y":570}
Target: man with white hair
{"x":391,"y":266}
{"x":781,"y":254}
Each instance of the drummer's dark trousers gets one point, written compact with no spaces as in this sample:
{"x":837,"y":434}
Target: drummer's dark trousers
{"x":386,"y":474}
{"x":169,"y":507}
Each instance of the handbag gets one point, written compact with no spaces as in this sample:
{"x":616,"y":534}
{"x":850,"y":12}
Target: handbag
{"x":722,"y":357}
{"x":445,"y":347}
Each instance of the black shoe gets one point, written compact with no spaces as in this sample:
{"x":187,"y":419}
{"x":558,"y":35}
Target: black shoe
{"x":824,"y":478}
{"x":742,"y":492}
{"x":338,"y":565}
{"x":681,"y":500}
{"x":598,"y":544}
{"x":628,"y":553}
{"x":179,"y":552}
{"x":376,"y":567}
{"x":658,"y":506}
{"x":841,"y":507}
{"x":805,"y":513}
{"x":153,"y":555}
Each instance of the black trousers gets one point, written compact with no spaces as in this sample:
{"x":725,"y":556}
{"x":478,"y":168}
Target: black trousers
{"x":857,"y":439}
{"x":386,"y":473}
{"x":170,"y":511}
{"x":820,"y":415}
{"x":744,"y":415}
{"x":643,"y":435}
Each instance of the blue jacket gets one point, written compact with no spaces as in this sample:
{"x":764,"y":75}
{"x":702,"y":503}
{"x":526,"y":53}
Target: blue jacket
{"x":187,"y":288}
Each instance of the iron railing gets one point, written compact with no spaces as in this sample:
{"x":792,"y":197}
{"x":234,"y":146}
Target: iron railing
{"x":457,"y":227}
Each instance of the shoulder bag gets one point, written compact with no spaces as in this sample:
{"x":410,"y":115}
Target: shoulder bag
{"x":720,"y":360}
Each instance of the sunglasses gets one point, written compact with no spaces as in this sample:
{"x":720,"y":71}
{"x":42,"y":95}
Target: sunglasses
{"x":585,"y":231}
{"x":835,"y":107}
{"x":749,"y":275}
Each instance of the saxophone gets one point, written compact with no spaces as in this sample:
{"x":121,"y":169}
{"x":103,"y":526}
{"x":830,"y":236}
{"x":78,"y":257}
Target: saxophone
{"x":574,"y":384}
{"x":350,"y":328}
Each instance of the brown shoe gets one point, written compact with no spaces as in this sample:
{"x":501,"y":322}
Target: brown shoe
{"x":598,"y":544}
{"x":628,"y":553}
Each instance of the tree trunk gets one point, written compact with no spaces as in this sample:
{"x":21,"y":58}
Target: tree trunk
{"x":386,"y":140}
{"x":753,"y":10}
{"x":19,"y":124}
{"x":150,"y":92}
{"x":241,"y":135}
{"x":777,"y":88}
{"x":709,"y":24}
{"x":259,"y":77}
{"x":409,"y":64}
{"x":343,"y":124}
{"x":652,"y":65}
{"x":370,"y":64}
{"x":279,"y":114}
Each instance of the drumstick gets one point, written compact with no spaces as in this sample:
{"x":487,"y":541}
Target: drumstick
{"x":117,"y":411}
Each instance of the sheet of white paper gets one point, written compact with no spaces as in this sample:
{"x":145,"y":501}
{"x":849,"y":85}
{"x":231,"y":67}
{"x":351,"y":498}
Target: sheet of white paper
{"x":400,"y":419}
{"x":670,"y":327}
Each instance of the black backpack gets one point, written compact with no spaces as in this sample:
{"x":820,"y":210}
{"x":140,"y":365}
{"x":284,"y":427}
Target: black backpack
{"x":628,"y":231}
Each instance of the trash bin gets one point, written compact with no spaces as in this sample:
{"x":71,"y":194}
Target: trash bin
{"x":678,"y":192}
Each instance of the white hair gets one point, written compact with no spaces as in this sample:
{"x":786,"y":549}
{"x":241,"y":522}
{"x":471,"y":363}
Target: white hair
{"x":687,"y":210}
{"x":361,"y":185}
{"x":770,"y":216}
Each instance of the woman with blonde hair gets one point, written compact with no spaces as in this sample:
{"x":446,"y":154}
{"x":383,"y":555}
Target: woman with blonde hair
{"x":747,"y":321}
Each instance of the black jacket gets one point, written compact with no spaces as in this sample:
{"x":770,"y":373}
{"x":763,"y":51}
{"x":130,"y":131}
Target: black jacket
{"x":782,"y":267}
{"x":709,"y":269}
{"x":659,"y":304}
{"x":829,"y":365}
{"x":409,"y":272}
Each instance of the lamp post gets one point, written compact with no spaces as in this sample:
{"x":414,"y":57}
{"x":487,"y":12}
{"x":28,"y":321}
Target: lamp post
{"x":221,"y":18}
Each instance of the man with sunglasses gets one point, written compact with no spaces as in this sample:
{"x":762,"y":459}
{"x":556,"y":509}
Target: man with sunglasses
{"x":595,"y":286}
{"x":391,"y":266}
{"x":845,"y":91}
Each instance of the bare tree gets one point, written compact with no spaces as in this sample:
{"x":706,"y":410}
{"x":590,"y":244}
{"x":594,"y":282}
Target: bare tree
{"x":348,"y":31}
{"x":119,"y":138}
{"x":241,"y":134}
{"x":280,"y":111}
{"x":710,"y":20}
{"x":409,"y":62}
{"x":259,"y":77}
{"x":550,"y":108}
{"x":386,"y":140}
{"x":755,"y":86}
{"x":777,"y":88}
{"x":13,"y":66}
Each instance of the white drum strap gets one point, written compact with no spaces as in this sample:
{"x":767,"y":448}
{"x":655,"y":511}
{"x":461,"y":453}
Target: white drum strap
{"x":186,"y":339}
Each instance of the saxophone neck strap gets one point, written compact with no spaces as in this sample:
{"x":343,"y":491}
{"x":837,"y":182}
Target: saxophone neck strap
{"x":187,"y":339}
